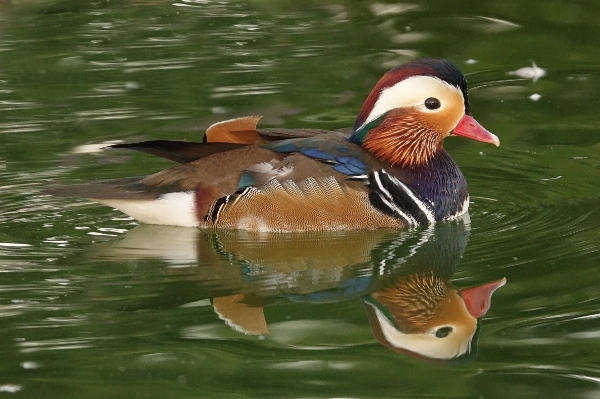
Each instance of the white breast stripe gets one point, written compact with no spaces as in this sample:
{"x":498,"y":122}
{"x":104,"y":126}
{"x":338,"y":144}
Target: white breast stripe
{"x":409,"y":219}
{"x":461,"y":211}
{"x":246,"y":191}
{"x":422,"y":206}
{"x":220,"y":208}
{"x":389,"y":201}
{"x":358,"y":177}
{"x":381,"y":188}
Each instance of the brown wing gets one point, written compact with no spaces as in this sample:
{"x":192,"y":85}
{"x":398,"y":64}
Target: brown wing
{"x":217,"y":175}
{"x":212,"y":177}
{"x":220,"y":137}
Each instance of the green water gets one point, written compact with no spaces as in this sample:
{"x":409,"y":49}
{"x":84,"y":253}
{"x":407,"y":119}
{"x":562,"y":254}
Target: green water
{"x":92,"y":306}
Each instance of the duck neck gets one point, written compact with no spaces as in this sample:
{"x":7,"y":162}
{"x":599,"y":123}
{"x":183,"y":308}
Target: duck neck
{"x":440,"y":182}
{"x":400,"y":137}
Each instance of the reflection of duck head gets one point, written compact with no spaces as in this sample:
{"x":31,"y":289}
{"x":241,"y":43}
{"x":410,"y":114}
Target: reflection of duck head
{"x":425,"y":316}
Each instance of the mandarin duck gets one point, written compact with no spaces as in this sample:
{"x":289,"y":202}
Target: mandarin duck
{"x":391,"y":171}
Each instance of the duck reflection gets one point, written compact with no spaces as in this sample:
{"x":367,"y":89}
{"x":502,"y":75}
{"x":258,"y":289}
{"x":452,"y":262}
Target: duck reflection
{"x":418,"y":312}
{"x":402,"y":278}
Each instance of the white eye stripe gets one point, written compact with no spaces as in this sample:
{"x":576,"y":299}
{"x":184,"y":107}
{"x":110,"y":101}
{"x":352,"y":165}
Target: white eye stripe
{"x":412,"y":92}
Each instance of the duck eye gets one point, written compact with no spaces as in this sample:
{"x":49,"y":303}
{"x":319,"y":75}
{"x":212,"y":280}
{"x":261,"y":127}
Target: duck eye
{"x":432,"y":103}
{"x":443,"y":332}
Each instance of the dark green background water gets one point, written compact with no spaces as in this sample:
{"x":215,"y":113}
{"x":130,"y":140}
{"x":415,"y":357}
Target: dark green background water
{"x":90,"y":310}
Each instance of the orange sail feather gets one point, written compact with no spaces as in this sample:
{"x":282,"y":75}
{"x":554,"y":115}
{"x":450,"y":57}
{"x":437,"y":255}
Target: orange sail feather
{"x":239,"y":130}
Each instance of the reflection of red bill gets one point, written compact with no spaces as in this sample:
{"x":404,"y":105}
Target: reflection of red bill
{"x":470,"y":128}
{"x":478,"y":299}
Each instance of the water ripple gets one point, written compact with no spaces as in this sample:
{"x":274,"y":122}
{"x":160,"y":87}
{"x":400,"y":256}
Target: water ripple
{"x":246,"y":90}
{"x":55,"y":344}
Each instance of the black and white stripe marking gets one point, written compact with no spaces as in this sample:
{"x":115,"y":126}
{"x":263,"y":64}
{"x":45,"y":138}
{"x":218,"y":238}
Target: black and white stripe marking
{"x":395,"y":198}
{"x":217,"y":207}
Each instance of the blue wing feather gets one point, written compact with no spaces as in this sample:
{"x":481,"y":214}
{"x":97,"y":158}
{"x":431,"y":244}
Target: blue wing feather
{"x":288,"y":145}
{"x":348,"y":158}
{"x":316,"y":153}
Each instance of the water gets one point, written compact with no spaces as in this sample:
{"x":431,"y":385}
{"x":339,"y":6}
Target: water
{"x":94,"y":306}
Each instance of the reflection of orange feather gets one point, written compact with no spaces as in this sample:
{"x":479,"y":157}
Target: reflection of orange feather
{"x":239,"y":130}
{"x":240,"y":315}
{"x":414,"y":300}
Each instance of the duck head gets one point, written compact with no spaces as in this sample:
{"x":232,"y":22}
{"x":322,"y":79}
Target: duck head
{"x":425,"y":317}
{"x":412,"y":109}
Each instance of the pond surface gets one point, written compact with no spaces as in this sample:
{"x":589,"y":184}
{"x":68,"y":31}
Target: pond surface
{"x":93,"y":305}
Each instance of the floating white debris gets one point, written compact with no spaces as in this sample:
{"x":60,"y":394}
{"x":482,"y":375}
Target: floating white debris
{"x":535,"y":97}
{"x":92,"y":148}
{"x":552,"y":178}
{"x":533,"y":72}
{"x":471,"y":61}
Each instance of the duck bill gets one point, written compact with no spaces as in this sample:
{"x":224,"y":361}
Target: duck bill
{"x":478,"y":299}
{"x":470,"y":128}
